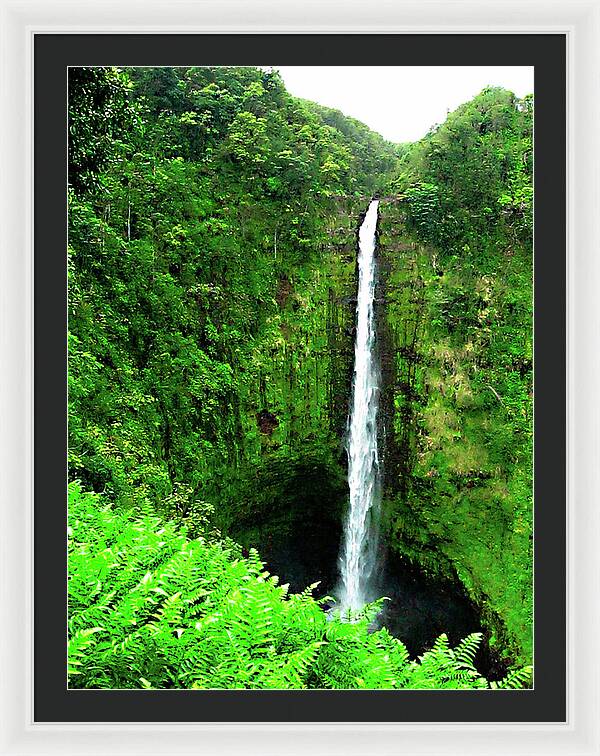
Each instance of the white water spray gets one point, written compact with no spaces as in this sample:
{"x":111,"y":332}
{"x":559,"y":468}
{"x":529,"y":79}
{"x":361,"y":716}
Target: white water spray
{"x":359,"y":550}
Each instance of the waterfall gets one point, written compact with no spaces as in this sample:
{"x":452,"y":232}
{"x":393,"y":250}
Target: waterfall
{"x":359,"y":550}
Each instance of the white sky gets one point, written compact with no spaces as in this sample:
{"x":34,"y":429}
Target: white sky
{"x":401,"y":102}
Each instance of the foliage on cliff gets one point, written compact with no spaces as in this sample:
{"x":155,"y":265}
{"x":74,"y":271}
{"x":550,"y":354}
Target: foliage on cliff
{"x":208,"y":267}
{"x":457,"y":261}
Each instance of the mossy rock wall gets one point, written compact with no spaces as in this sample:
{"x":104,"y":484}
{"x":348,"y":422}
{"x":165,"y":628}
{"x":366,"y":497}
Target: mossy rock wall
{"x":456,"y":410}
{"x":287,"y":493}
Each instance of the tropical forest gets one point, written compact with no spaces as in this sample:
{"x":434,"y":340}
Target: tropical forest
{"x":300,"y":389}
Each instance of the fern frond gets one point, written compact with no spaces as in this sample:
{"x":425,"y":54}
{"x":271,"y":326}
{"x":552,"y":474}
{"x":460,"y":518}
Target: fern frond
{"x":517,"y":678}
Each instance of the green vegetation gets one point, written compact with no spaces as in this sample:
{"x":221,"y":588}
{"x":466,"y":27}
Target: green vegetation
{"x":211,"y":264}
{"x":457,"y":250}
{"x":151,"y":608}
{"x":212,"y":222}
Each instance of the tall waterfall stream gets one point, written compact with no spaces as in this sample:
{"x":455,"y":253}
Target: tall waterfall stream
{"x":419,"y":609}
{"x":359,"y":544}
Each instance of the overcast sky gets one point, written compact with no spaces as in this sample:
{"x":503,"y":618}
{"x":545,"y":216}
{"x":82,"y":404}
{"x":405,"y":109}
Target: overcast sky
{"x":401,"y":102}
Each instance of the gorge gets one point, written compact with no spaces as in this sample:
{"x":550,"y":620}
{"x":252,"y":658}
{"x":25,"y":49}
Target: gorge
{"x":253,"y":340}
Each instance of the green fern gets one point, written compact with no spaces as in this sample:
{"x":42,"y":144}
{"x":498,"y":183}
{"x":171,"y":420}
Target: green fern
{"x":80,"y":643}
{"x":516,"y":678}
{"x":149,"y":608}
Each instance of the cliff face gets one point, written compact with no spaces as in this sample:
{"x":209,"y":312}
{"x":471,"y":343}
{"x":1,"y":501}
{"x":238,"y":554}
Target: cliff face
{"x":456,"y":451}
{"x":458,"y":443}
{"x":288,"y":493}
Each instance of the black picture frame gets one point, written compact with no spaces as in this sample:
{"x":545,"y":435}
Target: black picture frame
{"x":53,"y":54}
